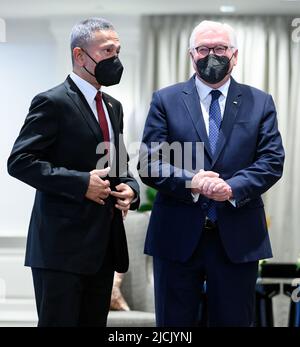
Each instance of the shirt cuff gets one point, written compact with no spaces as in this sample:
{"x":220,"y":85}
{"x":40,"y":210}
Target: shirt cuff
{"x":135,"y":199}
{"x":195,"y":196}
{"x":233,"y":202}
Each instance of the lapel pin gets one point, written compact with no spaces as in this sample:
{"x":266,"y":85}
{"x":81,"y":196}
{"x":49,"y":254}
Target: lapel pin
{"x":110,"y":104}
{"x":235,"y":102}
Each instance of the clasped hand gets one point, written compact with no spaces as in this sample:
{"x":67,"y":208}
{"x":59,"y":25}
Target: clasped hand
{"x":99,"y":190}
{"x":209,"y":184}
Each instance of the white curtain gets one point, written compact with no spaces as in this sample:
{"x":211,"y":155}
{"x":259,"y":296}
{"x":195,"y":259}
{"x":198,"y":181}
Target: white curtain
{"x":269,"y":60}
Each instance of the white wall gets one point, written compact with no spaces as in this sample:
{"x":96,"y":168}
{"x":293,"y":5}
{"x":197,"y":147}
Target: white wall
{"x":24,"y":71}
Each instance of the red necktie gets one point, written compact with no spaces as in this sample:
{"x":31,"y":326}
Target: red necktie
{"x":102,"y":120}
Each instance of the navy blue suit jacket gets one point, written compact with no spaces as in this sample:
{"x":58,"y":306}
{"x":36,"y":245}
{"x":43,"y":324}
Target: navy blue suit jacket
{"x":249,"y":156}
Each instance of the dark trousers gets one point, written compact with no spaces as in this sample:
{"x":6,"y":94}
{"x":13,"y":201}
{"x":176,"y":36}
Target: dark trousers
{"x":72,"y":300}
{"x":230,"y":287}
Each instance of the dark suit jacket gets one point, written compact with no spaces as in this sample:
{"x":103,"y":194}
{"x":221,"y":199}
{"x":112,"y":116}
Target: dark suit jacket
{"x":54,"y":153}
{"x":249,"y":156}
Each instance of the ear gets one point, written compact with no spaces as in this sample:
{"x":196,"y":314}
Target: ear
{"x":235,"y":57}
{"x":191,"y":54}
{"x":79,"y":56}
{"x":193,"y":60}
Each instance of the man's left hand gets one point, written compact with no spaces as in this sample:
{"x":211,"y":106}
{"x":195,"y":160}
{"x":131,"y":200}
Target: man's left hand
{"x":124,"y":196}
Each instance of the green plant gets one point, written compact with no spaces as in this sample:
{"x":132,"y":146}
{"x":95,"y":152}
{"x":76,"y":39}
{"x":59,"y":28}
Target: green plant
{"x":150,"y":194}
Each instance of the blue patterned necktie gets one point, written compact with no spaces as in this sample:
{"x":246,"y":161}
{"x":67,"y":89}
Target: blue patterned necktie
{"x":215,"y":120}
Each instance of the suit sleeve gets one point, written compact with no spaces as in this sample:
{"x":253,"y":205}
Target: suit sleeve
{"x":30,"y":159}
{"x":125,"y":176}
{"x":155,"y":169}
{"x":267,"y":167}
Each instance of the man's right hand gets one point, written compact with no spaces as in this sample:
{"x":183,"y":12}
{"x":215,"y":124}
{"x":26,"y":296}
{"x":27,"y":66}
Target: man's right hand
{"x":200,"y":178}
{"x":98,"y":189}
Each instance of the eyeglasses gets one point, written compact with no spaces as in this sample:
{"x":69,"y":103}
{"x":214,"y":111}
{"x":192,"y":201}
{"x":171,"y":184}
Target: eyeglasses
{"x":205,"y":51}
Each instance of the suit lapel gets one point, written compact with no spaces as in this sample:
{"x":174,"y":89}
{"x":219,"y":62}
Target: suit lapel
{"x":192,"y":102}
{"x":84,"y":108}
{"x":233,"y":103}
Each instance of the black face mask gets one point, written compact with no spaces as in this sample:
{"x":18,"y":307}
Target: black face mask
{"x":213,"y":68}
{"x":107,"y":72}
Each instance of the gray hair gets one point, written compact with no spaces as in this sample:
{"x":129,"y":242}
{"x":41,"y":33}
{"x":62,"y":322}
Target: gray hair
{"x":214,"y":26}
{"x":82,"y":32}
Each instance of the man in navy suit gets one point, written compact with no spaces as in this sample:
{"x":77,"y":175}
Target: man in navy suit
{"x":76,"y":236}
{"x":210,"y":225}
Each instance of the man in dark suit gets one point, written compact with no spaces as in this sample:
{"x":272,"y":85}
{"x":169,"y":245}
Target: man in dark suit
{"x":210,"y":225}
{"x":72,"y":133}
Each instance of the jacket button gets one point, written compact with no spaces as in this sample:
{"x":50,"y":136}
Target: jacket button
{"x":204,"y":206}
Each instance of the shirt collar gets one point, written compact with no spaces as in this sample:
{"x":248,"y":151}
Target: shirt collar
{"x":88,"y":90}
{"x":204,"y":90}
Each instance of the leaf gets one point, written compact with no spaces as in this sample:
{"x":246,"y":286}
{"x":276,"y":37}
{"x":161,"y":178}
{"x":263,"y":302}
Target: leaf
{"x":151,"y":193}
{"x":145,"y":207}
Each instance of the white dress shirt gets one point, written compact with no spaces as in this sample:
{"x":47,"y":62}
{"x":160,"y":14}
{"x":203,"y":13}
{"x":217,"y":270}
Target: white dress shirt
{"x":89,"y":92}
{"x":205,"y":101}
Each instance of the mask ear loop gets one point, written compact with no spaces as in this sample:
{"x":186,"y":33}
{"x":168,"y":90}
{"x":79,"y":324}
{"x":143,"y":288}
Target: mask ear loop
{"x":92,"y":60}
{"x":229,"y":72}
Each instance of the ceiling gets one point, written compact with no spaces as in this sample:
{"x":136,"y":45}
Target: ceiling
{"x":50,"y":8}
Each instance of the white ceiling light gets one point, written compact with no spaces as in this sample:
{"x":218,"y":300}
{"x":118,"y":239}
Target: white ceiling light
{"x":227,"y":8}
